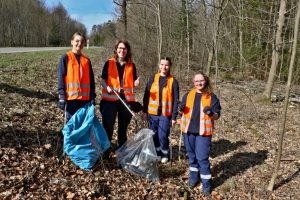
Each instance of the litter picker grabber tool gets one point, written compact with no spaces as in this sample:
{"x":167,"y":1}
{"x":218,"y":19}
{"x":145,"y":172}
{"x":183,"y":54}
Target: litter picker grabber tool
{"x":180,"y":140}
{"x":179,"y":146}
{"x":131,"y":112}
{"x":61,"y":157}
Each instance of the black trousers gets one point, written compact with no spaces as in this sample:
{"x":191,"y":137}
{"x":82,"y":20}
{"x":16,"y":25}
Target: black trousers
{"x":110,"y":110}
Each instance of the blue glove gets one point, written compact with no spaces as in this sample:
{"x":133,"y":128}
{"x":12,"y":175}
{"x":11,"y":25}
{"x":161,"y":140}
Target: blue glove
{"x":207,"y":110}
{"x":61,"y":104}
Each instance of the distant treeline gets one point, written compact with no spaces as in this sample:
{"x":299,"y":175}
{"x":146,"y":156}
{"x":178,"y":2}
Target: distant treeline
{"x":30,"y":23}
{"x":235,"y":39}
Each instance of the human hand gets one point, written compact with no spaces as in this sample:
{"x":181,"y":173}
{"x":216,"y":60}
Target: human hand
{"x":137,"y":82}
{"x":61,"y":104}
{"x":108,"y":88}
{"x":207,"y":110}
{"x":173,"y":122}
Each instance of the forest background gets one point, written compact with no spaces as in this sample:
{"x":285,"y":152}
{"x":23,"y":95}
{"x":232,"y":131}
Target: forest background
{"x":246,"y":46}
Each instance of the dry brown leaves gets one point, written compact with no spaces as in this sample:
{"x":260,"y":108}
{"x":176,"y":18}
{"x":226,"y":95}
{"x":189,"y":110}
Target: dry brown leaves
{"x":244,"y":146}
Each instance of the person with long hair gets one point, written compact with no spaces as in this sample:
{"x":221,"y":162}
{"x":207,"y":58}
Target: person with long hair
{"x":118,"y":74}
{"x":200,"y":107}
{"x":160,"y":106}
{"x":76,"y":83}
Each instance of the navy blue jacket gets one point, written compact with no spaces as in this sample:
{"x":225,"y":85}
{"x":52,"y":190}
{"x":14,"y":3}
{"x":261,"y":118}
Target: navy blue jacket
{"x":62,"y":72}
{"x":195,"y":119}
{"x":162,"y":83}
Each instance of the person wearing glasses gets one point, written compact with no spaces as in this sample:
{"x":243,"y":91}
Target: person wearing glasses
{"x":200,"y":107}
{"x":118,"y":74}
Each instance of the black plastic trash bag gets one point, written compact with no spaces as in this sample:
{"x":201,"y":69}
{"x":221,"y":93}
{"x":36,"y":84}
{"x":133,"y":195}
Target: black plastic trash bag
{"x":138,"y":155}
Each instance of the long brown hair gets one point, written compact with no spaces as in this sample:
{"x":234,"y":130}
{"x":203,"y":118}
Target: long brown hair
{"x":170,"y":63}
{"x":128,"y":57}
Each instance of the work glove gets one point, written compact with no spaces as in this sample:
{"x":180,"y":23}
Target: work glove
{"x":61,"y":104}
{"x":207,"y":110}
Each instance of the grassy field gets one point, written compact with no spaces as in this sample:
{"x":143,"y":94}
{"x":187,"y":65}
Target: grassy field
{"x":244,"y":145}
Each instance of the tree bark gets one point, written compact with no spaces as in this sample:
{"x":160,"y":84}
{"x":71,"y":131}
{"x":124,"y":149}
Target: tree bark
{"x":286,"y":101}
{"x":276,"y":48}
{"x":188,"y":40}
{"x":159,"y":31}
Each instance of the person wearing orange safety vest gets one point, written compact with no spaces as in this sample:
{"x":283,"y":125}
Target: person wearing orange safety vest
{"x":160,"y":106}
{"x":118,"y":74}
{"x":76,"y":84}
{"x":199,"y":108}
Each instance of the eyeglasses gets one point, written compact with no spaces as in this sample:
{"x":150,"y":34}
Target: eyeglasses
{"x":199,"y":81}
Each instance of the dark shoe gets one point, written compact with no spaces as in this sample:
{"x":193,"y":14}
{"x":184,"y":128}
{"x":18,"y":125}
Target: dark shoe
{"x":192,"y":185}
{"x":206,"y":193}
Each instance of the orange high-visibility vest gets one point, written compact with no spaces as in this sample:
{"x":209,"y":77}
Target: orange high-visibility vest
{"x":113,"y":81}
{"x":206,"y":122}
{"x":167,"y":97}
{"x":77,"y":80}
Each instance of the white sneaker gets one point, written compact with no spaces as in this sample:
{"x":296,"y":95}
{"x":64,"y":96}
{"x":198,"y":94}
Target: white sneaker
{"x":164,"y":160}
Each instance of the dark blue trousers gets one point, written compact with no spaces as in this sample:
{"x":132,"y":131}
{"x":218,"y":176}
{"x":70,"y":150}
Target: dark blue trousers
{"x":198,"y":148}
{"x":110,"y":110}
{"x":161,"y":127}
{"x":72,"y":107}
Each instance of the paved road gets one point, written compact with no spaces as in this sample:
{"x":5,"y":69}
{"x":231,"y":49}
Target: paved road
{"x":29,"y":49}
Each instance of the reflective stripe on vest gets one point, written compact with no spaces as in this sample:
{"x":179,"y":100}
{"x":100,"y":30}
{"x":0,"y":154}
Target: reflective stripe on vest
{"x":113,"y":81}
{"x":77,"y":79}
{"x":167,"y":97}
{"x":206,"y":122}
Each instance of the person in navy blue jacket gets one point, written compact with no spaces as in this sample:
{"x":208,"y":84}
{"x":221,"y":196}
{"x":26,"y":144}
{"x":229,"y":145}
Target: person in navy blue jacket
{"x":200,"y":107}
{"x":160,"y":106}
{"x":76,"y":84}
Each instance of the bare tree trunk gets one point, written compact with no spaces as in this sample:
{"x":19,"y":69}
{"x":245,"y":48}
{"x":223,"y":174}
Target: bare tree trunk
{"x":209,"y":61}
{"x":123,"y":6}
{"x":276,"y":48}
{"x":124,"y":11}
{"x":286,"y":101}
{"x":269,"y":33}
{"x":188,"y":39}
{"x":217,"y":22}
{"x":159,"y":31}
{"x":241,"y":33}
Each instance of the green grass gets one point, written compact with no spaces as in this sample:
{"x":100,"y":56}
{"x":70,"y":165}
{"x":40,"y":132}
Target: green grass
{"x":36,"y":70}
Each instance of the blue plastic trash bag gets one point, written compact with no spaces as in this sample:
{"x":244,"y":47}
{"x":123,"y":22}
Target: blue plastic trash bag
{"x":85,"y":138}
{"x":138,"y":155}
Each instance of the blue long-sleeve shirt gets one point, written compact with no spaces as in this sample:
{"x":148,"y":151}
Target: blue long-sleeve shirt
{"x":195,"y":119}
{"x":162,"y":83}
{"x":62,"y":72}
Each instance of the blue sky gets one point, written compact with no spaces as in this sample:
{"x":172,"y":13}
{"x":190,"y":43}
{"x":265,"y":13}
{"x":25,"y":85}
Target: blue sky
{"x":88,"y":12}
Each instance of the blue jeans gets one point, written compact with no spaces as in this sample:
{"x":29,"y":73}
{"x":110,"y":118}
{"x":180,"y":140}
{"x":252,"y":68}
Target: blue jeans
{"x":198,"y":148}
{"x":161,"y":127}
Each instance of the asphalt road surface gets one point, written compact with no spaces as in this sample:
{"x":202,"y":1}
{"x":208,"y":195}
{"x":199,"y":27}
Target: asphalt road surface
{"x":30,"y":49}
